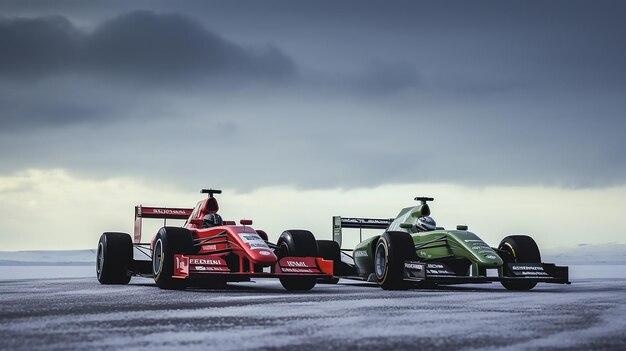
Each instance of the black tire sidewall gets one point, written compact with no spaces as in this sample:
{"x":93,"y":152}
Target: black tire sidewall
{"x":297,"y":243}
{"x":519,"y":249}
{"x":174,"y":240}
{"x":117,"y":251}
{"x":397,"y":248}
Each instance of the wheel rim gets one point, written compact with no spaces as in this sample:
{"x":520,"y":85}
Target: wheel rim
{"x":380,"y":261}
{"x":157,"y":257}
{"x":506,"y":247}
{"x":100,"y":259}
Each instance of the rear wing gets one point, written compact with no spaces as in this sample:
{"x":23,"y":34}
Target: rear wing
{"x":361,"y":223}
{"x":164,"y":213}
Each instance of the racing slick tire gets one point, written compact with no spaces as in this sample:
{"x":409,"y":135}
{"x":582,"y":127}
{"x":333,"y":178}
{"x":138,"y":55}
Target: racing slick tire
{"x":391,"y":250}
{"x":168,"y":242}
{"x":519,"y":249}
{"x":329,"y":250}
{"x":113,"y":258}
{"x":297,"y":243}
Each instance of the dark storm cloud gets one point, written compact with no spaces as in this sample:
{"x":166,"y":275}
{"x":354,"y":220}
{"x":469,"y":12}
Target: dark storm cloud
{"x":19,"y":113}
{"x":54,"y":75}
{"x":35,"y":47}
{"x":480,"y":93}
{"x":141,"y":45}
{"x":173,"y":45}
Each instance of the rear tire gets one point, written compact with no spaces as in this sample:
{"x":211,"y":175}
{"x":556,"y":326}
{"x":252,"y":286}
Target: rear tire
{"x":168,"y":242}
{"x":329,"y":250}
{"x":297,"y":243}
{"x":113,"y":258}
{"x":392,"y":249}
{"x":519,"y":249}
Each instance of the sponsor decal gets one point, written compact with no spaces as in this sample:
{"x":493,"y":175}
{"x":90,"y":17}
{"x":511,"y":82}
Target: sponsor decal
{"x":252,"y":237}
{"x":296,"y":270}
{"x":415,"y":266}
{"x":254,"y":241}
{"x":203,"y":261}
{"x":298,"y":265}
{"x":337,"y":229}
{"x":360,"y":253}
{"x":435,"y":265}
{"x":209,"y":247}
{"x":361,"y":221}
{"x":438,"y":269}
{"x":258,"y":245}
{"x":527,"y":268}
{"x":295,"y":263}
{"x":480,"y":247}
{"x":439,"y":272}
{"x":532,"y":273}
{"x":168,"y":211}
{"x":180,"y":264}
{"x":265,"y":253}
{"x":210,"y":269}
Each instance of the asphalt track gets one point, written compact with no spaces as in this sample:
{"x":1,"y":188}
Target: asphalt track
{"x":60,"y":314}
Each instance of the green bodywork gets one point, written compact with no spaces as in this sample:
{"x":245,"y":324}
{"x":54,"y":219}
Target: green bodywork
{"x":457,"y":244}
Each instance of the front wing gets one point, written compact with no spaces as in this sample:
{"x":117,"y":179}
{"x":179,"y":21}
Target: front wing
{"x":415,"y":271}
{"x":199,"y":266}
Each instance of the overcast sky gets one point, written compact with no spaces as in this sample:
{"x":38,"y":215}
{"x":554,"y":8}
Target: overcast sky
{"x":110,"y":104}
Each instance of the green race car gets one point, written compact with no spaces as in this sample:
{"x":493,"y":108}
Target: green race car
{"x":413,"y":251}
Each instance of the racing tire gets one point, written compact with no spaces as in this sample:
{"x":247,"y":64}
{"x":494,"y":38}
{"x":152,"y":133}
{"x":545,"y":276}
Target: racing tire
{"x":297,"y":243}
{"x":113,"y":258}
{"x":519,"y":249}
{"x":392,"y":249}
{"x":329,"y":250}
{"x":168,"y":242}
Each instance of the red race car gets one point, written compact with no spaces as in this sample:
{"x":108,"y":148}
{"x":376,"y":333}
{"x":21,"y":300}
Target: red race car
{"x":208,"y":251}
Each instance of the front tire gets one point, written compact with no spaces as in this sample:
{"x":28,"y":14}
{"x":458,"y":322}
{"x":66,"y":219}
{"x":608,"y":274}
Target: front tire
{"x":168,"y":242}
{"x":113,"y":258}
{"x":297,"y":243}
{"x":519,"y":249}
{"x":392,"y":249}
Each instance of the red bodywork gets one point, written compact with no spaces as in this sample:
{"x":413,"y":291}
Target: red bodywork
{"x":218,"y":246}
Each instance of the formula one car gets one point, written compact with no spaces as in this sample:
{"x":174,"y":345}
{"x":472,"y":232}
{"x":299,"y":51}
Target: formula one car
{"x":208,"y":250}
{"x":406,"y":255}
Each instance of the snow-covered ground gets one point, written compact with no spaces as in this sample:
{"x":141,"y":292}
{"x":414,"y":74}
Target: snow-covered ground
{"x":47,"y":256}
{"x":46,"y":272}
{"x":79,"y":313}
{"x":50,"y":307}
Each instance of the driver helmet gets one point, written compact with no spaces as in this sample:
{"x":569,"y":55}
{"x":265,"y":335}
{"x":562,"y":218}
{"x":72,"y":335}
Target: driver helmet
{"x":212,"y":220}
{"x":425,"y":224}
